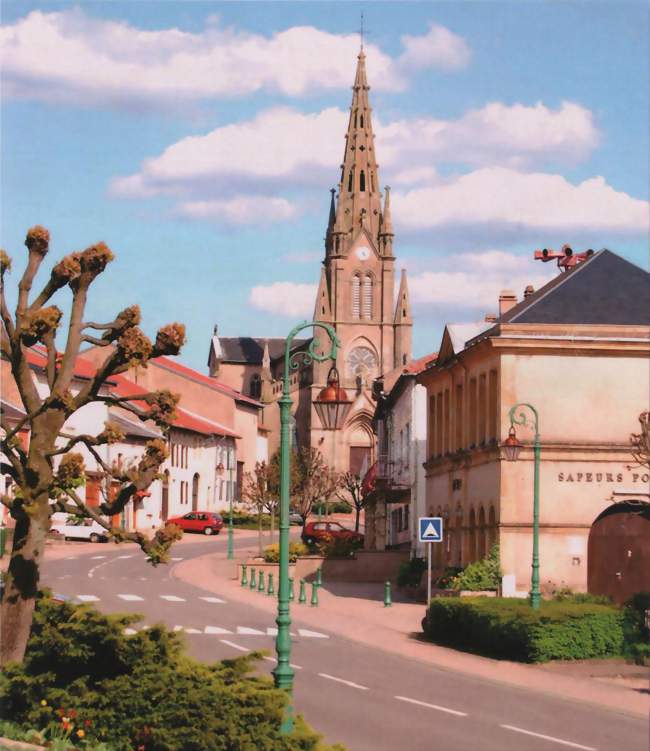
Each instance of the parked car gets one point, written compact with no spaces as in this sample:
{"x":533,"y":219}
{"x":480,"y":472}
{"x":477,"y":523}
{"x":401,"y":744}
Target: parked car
{"x":315,"y":531}
{"x":207,"y":522}
{"x":84,"y":529}
{"x":295,"y":518}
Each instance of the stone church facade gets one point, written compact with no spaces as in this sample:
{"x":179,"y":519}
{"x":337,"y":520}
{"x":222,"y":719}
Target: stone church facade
{"x":355,"y":296}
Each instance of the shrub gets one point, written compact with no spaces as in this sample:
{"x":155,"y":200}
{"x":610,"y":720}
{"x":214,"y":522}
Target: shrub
{"x":481,"y":575}
{"x":245,"y":520}
{"x":637,"y":635}
{"x":140,"y":691}
{"x":338,"y":547}
{"x":335,"y":507}
{"x":410,"y":572}
{"x":296,"y":550}
{"x":509,"y":628}
{"x":447,"y":578}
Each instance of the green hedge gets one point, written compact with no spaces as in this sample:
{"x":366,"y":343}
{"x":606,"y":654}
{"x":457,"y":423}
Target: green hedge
{"x":335,"y":507}
{"x":509,"y":628}
{"x":140,"y":691}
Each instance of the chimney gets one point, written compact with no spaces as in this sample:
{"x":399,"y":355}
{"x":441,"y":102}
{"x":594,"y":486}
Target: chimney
{"x":490,"y":318}
{"x":528,"y":291}
{"x":507,"y":300}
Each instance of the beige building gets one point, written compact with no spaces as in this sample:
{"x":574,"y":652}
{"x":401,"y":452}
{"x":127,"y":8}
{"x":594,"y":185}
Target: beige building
{"x":355,"y":296}
{"x":578,"y":351}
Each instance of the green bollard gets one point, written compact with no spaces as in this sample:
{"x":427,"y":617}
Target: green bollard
{"x":253,"y":583}
{"x":244,"y":578}
{"x":302,"y":597}
{"x":314,"y":594}
{"x":387,"y":598}
{"x":260,"y":586}
{"x":292,"y":594}
{"x":270,"y":590}
{"x":319,"y":576}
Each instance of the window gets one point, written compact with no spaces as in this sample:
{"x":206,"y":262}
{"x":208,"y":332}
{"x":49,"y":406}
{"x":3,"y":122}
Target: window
{"x":362,"y":181}
{"x":367,"y":296}
{"x":356,"y":296}
{"x":473,"y":416}
{"x":350,"y":181}
{"x":447,"y":417}
{"x":459,"y":417}
{"x":361,"y":121}
{"x":439,"y":426}
{"x":482,"y":408}
{"x":256,"y":386}
{"x":492,"y":406}
{"x":431,"y":428}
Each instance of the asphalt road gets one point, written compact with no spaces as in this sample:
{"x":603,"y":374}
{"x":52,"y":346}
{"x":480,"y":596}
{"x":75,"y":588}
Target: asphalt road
{"x":362,"y":697}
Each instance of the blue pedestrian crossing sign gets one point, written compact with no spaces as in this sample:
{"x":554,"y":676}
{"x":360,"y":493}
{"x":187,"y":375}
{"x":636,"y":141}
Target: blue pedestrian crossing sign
{"x":430,"y":528}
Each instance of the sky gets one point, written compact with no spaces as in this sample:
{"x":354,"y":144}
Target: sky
{"x":200,"y":140}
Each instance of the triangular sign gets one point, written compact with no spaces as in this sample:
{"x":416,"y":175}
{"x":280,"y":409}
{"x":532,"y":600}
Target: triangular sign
{"x":430,"y":532}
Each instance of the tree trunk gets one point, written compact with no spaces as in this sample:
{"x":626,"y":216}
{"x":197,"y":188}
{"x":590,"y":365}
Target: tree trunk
{"x":356,"y":521}
{"x":21,"y":585}
{"x":272,"y":524}
{"x":259,"y":533}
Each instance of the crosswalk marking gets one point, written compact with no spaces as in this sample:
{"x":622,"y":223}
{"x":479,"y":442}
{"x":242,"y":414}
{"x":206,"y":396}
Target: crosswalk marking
{"x":123,"y":557}
{"x":271,"y":631}
{"x":313,"y":634}
{"x":249,"y":631}
{"x":213,"y":599}
{"x":172,"y":598}
{"x":87,"y":598}
{"x":216,"y":630}
{"x":176,"y":559}
{"x":131,"y":598}
{"x":97,"y":557}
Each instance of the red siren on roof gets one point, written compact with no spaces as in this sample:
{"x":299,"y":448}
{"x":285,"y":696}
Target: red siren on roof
{"x":566,"y":258}
{"x":332,"y":404}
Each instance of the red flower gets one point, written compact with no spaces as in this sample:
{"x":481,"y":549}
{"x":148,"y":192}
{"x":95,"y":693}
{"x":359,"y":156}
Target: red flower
{"x":88,"y":723}
{"x":73,"y":713}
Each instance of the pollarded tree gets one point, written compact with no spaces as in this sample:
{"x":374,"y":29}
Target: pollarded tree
{"x":44,"y":484}
{"x":350,"y":490}
{"x":261,"y":492}
{"x":315,"y":482}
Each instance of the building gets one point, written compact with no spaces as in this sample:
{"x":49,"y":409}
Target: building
{"x":200,"y":471}
{"x":355,"y":296}
{"x":394,"y":489}
{"x":578,"y":351}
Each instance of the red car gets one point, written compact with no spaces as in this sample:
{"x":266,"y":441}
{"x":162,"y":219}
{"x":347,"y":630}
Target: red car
{"x":315,"y":531}
{"x":199,"y":521}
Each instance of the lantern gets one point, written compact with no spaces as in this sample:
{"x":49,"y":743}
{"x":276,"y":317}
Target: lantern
{"x":511,"y":446}
{"x":332,"y":404}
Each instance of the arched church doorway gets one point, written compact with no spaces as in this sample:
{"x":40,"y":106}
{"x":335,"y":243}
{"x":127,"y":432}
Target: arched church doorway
{"x":618,"y":553}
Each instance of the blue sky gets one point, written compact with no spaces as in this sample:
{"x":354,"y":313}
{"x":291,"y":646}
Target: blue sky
{"x":200,"y":140}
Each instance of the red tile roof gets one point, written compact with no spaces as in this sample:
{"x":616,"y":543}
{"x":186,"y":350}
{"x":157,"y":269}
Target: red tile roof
{"x":84,"y":369}
{"x":184,"y":420}
{"x":212,"y":383}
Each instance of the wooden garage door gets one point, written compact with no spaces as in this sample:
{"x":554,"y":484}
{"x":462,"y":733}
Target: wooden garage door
{"x":618,"y":556}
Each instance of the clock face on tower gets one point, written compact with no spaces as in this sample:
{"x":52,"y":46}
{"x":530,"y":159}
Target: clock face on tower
{"x":362,"y":363}
{"x":363,"y":253}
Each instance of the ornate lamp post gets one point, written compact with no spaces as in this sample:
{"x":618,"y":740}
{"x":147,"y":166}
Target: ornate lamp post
{"x":511,"y":449}
{"x":231,"y":552}
{"x":283,"y":672}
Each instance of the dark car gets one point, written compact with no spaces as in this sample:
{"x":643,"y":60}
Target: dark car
{"x":316,"y":531}
{"x":206,"y":522}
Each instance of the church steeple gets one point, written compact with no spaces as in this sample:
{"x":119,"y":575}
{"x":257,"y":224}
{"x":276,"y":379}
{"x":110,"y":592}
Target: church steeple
{"x":386,"y":233}
{"x":359,"y":199}
{"x":402,"y":324}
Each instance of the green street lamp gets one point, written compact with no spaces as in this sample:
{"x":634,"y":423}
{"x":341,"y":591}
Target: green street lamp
{"x":512,"y":448}
{"x":332,"y":408}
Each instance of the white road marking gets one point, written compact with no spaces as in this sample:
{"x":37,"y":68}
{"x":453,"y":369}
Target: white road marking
{"x":432,"y":706}
{"x":193,"y":631}
{"x":249,"y":631}
{"x":216,"y":630}
{"x":123,"y":557}
{"x":87,"y":598}
{"x":177,"y":628}
{"x":172,"y":598}
{"x":272,"y":631}
{"x":131,"y":598}
{"x":130,"y":631}
{"x":97,"y":557}
{"x":176,"y":559}
{"x":312,"y":634}
{"x":143,"y":578}
{"x":269,"y":659}
{"x":548,"y":738}
{"x":213,"y":599}
{"x":233,"y":645}
{"x":340,"y":680}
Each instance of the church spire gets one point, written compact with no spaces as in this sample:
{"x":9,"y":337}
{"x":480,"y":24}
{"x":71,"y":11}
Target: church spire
{"x":330,"y":223}
{"x":323,"y":308}
{"x":403,"y":324}
{"x":359,"y":199}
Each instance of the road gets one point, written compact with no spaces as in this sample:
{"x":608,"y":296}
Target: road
{"x":365,"y":698}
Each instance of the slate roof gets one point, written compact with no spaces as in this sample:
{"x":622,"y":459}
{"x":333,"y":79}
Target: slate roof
{"x":250,"y":350}
{"x":604,"y":289}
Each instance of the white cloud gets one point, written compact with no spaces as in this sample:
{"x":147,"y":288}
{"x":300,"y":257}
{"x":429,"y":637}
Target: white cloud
{"x":438,"y":48}
{"x":497,"y":197}
{"x":472,"y":282}
{"x":284,"y":298}
{"x":240,"y":210}
{"x":71,"y":57}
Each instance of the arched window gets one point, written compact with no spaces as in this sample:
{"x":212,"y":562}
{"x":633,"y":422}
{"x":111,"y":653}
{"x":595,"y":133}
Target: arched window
{"x":367,"y":296}
{"x":195,"y":491}
{"x":362,"y":181}
{"x":356,"y":296}
{"x":256,"y":386}
{"x":361,"y":123}
{"x":355,"y":118}
{"x":351,"y":181}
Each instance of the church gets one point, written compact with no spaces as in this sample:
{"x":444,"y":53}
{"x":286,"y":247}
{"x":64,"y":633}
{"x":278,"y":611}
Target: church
{"x":356,"y":294}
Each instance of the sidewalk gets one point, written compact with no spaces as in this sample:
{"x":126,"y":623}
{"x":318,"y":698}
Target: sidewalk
{"x":356,"y":612}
